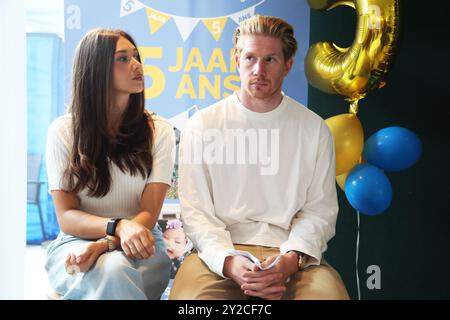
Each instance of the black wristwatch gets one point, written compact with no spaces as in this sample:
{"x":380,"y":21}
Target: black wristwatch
{"x":111,"y":226}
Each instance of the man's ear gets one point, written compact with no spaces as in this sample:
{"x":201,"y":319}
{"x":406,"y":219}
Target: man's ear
{"x":236,"y":58}
{"x":288,"y":65}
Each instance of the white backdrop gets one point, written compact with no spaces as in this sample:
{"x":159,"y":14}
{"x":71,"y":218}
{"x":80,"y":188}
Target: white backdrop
{"x":45,"y":16}
{"x":13,"y":148}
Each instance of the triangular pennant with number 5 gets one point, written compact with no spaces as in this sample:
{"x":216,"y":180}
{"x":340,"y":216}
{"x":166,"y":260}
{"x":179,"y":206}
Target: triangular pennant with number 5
{"x":215,"y":26}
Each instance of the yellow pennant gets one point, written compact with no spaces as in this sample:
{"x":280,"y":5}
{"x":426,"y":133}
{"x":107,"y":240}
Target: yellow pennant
{"x":156,"y":19}
{"x":215,"y":26}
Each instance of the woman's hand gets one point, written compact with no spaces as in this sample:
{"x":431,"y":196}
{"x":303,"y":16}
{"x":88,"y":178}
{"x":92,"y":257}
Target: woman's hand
{"x":86,"y":259}
{"x":136,"y":240}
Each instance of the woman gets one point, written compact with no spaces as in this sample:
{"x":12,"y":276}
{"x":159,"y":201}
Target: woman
{"x":109,"y":165}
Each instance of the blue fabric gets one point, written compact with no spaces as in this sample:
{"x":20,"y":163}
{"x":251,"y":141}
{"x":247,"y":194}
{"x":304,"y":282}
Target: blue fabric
{"x":113,"y":276}
{"x":45,"y":92}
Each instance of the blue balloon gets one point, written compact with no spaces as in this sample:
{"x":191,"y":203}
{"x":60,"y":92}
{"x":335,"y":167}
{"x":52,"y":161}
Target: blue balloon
{"x":393,"y":149}
{"x":368,"y":189}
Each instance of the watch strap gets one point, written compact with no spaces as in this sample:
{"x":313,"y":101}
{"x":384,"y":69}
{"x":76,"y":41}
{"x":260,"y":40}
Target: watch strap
{"x":111,"y":245}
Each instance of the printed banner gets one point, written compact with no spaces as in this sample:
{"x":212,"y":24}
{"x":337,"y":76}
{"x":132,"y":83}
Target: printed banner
{"x":188,"y":65}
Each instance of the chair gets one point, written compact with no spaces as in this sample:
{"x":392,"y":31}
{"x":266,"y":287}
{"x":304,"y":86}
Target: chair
{"x":34,"y":186}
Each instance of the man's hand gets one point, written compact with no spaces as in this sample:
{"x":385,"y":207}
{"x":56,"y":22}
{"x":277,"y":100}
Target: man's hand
{"x":135,"y":239}
{"x":235,"y":267}
{"x":270,"y":284}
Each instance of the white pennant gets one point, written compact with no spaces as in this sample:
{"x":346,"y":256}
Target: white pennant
{"x":185,"y":25}
{"x":240,"y":16}
{"x":130,"y":6}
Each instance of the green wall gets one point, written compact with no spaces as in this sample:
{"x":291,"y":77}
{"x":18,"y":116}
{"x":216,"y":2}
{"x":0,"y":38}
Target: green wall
{"x":410,"y":241}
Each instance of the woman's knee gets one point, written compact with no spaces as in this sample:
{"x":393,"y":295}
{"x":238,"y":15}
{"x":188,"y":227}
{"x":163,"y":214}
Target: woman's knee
{"x":113,"y":265}
{"x":155,"y":274}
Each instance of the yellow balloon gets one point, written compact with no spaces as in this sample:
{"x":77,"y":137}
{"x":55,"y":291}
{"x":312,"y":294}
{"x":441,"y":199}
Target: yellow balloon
{"x":355,"y":71}
{"x":348,"y":139}
{"x":340,"y":180}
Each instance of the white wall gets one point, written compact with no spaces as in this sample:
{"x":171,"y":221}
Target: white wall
{"x":12,"y":148}
{"x":45,"y":16}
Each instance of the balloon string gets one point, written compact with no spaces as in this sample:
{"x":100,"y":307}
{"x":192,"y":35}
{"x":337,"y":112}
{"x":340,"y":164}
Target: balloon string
{"x":357,"y":251}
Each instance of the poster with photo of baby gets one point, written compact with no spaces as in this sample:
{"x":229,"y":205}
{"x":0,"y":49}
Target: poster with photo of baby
{"x":178,"y":246}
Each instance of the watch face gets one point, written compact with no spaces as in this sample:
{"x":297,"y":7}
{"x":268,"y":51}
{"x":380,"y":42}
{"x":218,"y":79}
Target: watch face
{"x":110,"y":228}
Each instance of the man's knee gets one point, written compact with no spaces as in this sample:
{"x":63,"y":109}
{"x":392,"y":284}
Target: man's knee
{"x":184,"y":281}
{"x":192,"y":280}
{"x":195,"y":281}
{"x":320,"y":283}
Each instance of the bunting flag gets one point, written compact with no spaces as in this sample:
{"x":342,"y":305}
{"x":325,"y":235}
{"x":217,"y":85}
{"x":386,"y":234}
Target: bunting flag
{"x":186,"y":25}
{"x":130,"y":6}
{"x":240,"y":16}
{"x":156,"y":19}
{"x":215,"y":26}
{"x":179,"y":121}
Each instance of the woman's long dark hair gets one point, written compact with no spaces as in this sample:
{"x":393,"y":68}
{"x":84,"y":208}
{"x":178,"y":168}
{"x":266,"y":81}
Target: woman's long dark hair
{"x":93,"y":146}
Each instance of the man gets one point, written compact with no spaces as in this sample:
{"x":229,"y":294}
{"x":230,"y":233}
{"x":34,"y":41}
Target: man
{"x":257,"y":175}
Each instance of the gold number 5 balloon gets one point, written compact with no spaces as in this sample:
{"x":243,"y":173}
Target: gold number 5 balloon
{"x":355,"y":71}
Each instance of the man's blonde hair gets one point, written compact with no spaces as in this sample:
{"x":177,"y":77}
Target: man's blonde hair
{"x":268,"y":26}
